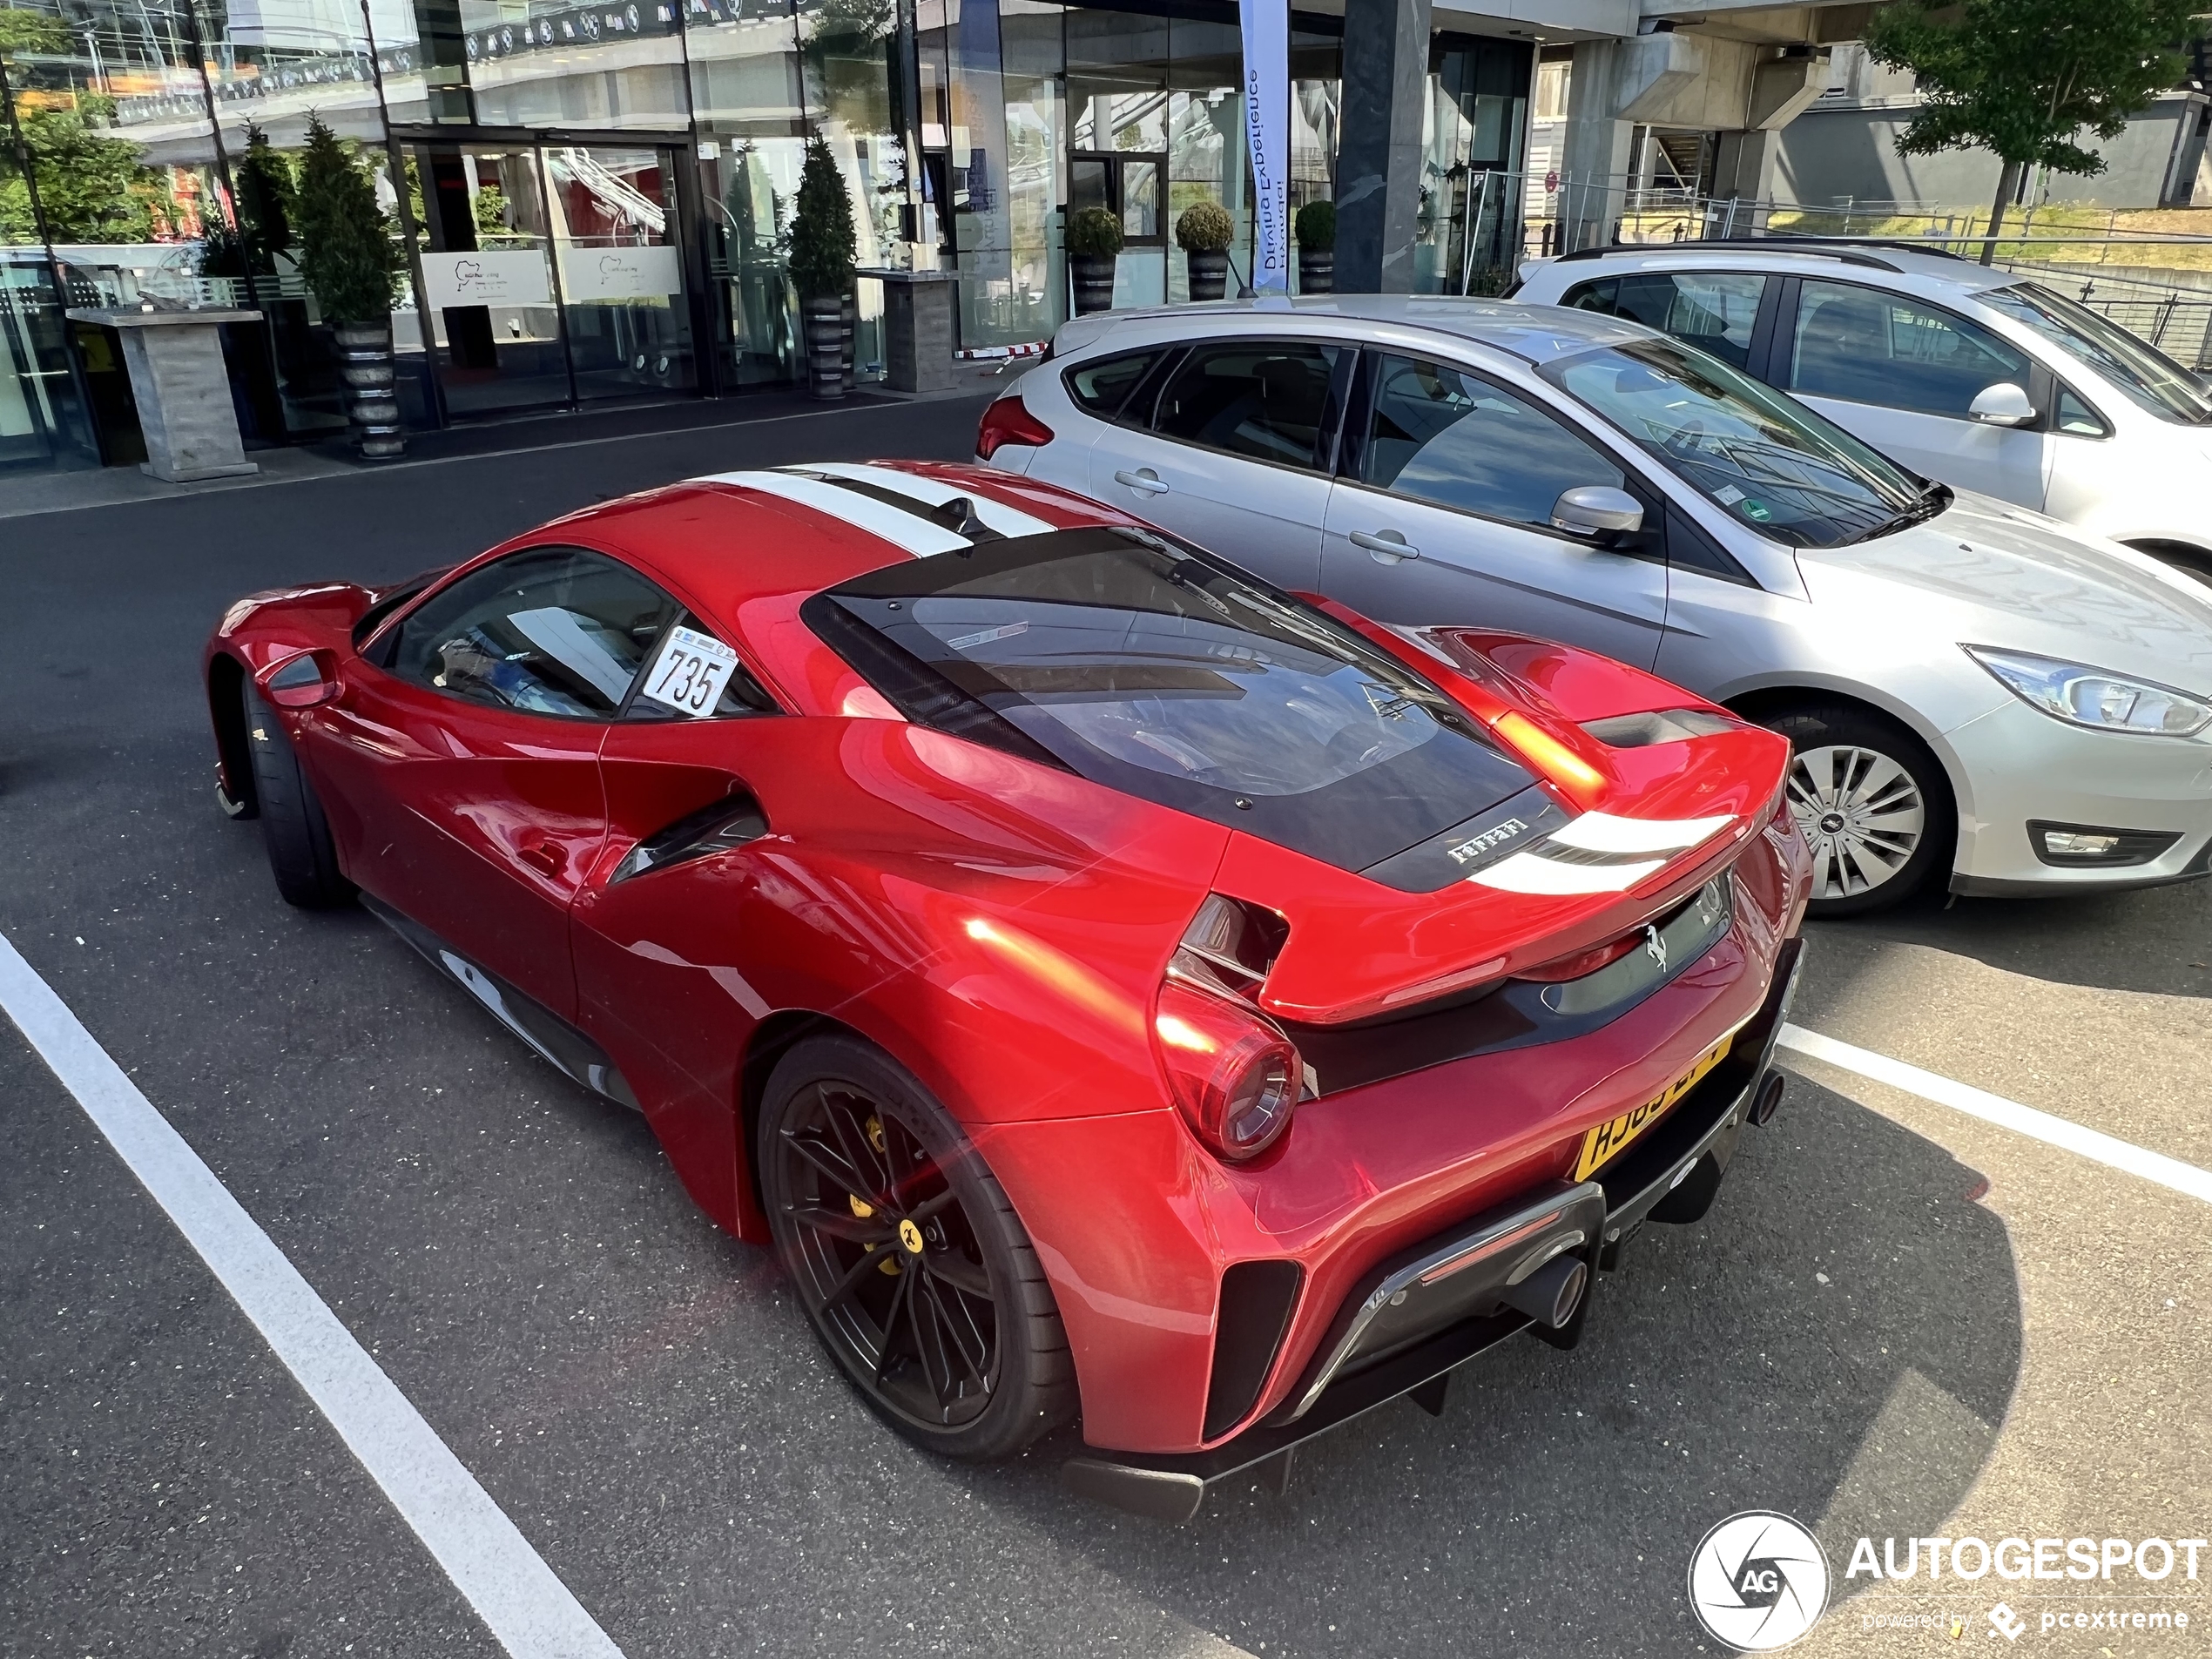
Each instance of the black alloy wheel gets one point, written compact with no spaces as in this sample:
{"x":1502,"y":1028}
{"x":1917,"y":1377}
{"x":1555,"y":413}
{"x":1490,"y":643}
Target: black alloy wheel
{"x":907,"y":1256}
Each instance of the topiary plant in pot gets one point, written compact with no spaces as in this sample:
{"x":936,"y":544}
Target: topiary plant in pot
{"x":351,"y":262}
{"x":823,"y":252}
{"x":1317,"y":247}
{"x":1204,"y":231}
{"x":1094,"y":240}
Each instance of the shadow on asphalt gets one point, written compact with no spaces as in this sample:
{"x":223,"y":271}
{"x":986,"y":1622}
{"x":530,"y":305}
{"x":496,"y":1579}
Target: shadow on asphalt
{"x":2157,"y":940}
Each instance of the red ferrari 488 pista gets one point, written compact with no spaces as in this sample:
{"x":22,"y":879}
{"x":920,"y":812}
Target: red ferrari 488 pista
{"x":1112,"y":986}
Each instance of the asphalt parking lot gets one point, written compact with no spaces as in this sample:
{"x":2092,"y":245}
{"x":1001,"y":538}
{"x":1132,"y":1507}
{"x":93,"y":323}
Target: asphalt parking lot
{"x":1898,"y":1319}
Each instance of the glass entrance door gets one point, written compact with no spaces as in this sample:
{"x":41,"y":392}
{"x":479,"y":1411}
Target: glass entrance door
{"x":487,"y":280}
{"x":613,"y":221}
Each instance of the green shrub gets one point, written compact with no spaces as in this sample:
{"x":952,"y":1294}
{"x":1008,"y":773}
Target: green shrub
{"x":823,"y":246}
{"x":1095,"y":230}
{"x":1317,"y":227}
{"x":1205,"y":227}
{"x":347,"y":254}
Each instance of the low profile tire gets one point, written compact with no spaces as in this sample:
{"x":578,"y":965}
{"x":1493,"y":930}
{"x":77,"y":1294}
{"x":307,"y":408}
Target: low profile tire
{"x":294,"y":830}
{"x":907,"y":1256}
{"x":1872,"y":802}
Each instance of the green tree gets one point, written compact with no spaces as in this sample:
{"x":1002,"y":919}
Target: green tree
{"x":91,"y":183}
{"x":348,"y":253}
{"x":263,"y":213}
{"x":23,"y":31}
{"x":2022,"y":78}
{"x":824,"y":248}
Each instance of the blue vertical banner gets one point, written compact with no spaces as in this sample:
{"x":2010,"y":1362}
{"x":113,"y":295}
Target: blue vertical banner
{"x":1266,"y":25}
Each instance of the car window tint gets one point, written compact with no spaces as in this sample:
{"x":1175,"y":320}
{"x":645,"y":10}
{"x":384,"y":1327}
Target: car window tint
{"x":741,"y":694}
{"x":1713,"y":311}
{"x":1444,"y":435}
{"x":1868,"y":347}
{"x":1267,"y":402}
{"x":553,"y":631}
{"x":1101,"y":388}
{"x":2077,"y":417}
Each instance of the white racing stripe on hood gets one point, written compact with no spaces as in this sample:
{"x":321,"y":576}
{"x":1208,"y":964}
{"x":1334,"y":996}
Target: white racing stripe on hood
{"x":1532,"y":872}
{"x":903,"y":529}
{"x":1603,"y":832}
{"x":934,"y":492}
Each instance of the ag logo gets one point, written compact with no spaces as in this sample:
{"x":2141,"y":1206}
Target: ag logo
{"x":1758,"y":1581}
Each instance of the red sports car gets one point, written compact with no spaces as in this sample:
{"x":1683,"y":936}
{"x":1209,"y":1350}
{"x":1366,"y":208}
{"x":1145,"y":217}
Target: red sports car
{"x":1114,"y":987}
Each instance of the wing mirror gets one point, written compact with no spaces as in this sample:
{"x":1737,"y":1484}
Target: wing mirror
{"x":301,"y":682}
{"x":2003,"y":404}
{"x":1598,"y":513}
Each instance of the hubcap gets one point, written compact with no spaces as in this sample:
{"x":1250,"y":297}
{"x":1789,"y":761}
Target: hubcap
{"x":886,"y":1259}
{"x":1861,"y":813}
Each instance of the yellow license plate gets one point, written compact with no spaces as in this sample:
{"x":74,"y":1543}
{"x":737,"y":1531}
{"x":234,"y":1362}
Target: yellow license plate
{"x":1604,"y":1142}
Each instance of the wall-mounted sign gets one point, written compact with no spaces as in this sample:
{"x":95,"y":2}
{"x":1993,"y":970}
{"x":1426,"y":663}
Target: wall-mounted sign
{"x":492,"y":277}
{"x":590,"y":274}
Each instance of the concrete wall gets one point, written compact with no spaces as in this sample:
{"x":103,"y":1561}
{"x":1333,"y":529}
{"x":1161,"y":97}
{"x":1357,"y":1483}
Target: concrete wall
{"x":1844,"y":147}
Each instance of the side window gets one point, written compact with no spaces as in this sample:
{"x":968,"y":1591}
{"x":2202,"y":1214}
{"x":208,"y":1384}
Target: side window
{"x":695,"y":675}
{"x":552,"y":631}
{"x":2078,"y":419}
{"x":1442,"y":435}
{"x":1266,"y":401}
{"x":1713,"y":311}
{"x":1592,"y":296}
{"x":1101,"y":388}
{"x":1868,"y":347}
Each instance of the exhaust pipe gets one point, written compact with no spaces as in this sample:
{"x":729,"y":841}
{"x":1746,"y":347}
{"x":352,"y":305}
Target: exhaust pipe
{"x":1551,"y":1294}
{"x":1764,"y":1103}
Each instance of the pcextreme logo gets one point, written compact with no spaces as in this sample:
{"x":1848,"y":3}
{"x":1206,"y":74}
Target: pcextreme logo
{"x":1758,"y":1581}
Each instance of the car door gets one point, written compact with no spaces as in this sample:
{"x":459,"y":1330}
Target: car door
{"x":1903,"y":376}
{"x":1442,"y":514}
{"x":464,"y":751}
{"x":1232,"y":451}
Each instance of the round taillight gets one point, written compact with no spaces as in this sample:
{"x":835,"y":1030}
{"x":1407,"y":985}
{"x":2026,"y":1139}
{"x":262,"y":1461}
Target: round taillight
{"x":1235,"y":1076}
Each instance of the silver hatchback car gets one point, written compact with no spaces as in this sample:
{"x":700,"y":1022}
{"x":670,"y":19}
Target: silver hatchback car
{"x":1967,"y":683}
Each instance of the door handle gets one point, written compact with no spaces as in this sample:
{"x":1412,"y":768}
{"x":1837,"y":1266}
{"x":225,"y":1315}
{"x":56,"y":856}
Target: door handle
{"x":1143,"y":480}
{"x":544,"y":856}
{"x":1388,"y":547}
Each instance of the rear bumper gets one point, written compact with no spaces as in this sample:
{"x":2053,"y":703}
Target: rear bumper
{"x":1671,"y":1174}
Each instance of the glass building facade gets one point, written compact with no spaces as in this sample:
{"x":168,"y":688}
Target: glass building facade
{"x":594,"y":198}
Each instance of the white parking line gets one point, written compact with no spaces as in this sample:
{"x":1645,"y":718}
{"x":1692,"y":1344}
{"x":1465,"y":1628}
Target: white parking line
{"x":529,"y":1609}
{"x":2006,"y":1114}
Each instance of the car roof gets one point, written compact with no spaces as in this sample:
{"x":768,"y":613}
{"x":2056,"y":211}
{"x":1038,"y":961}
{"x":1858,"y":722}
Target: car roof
{"x":1536,"y":334}
{"x":1788,"y":253}
{"x":730,"y":540}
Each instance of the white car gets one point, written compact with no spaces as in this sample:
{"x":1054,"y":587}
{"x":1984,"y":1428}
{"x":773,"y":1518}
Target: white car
{"x":1984,"y":380}
{"x":1972,"y":687}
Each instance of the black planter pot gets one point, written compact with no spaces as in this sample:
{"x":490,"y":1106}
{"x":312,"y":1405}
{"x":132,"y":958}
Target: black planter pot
{"x":1317,"y":270}
{"x":372,"y":399}
{"x":824,"y":320}
{"x":1209,"y":273}
{"x":848,"y":322}
{"x":1094,"y":279}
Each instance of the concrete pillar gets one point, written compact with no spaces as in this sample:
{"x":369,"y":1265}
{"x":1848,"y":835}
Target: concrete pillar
{"x":182,"y":388}
{"x":917,"y":328}
{"x":1379,"y":155}
{"x":1594,"y":168}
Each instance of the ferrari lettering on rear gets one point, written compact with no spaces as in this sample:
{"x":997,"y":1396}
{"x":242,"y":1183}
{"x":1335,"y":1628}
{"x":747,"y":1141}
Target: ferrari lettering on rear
{"x":1475,"y":845}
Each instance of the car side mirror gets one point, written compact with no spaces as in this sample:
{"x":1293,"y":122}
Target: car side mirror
{"x":301,"y":682}
{"x":2003,"y":404}
{"x":1598,"y":513}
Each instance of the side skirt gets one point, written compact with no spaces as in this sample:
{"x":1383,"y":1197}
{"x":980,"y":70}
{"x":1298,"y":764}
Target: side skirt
{"x":567,"y":1049}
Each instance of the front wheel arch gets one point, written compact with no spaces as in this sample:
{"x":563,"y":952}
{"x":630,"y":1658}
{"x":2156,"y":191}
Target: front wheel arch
{"x":1771,"y":707}
{"x":2184,"y":557}
{"x":226,"y":707}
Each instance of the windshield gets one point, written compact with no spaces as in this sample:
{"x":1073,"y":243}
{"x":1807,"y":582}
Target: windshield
{"x":1125,"y":658}
{"x":2145,"y":375}
{"x":1773,"y":463}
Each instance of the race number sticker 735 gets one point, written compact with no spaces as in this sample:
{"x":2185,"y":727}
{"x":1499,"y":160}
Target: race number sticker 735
{"x":689,"y":674}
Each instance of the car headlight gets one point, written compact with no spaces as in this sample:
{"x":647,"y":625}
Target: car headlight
{"x":2095,"y":696}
